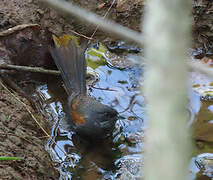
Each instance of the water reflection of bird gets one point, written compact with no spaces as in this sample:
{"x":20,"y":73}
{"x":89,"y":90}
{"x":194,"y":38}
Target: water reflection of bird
{"x":92,"y":156}
{"x":88,"y":117}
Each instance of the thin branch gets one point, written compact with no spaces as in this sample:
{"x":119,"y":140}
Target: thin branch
{"x":84,"y":15}
{"x":74,"y":32}
{"x":17,"y":28}
{"x":192,"y":66}
{"x":105,"y":89}
{"x":4,"y":65}
{"x":28,"y":69}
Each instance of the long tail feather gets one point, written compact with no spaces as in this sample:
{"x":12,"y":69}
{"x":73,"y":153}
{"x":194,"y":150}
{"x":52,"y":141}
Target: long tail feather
{"x":70,"y":61}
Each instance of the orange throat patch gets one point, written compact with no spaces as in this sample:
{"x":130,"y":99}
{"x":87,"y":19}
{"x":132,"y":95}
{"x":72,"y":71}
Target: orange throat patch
{"x":76,"y":117}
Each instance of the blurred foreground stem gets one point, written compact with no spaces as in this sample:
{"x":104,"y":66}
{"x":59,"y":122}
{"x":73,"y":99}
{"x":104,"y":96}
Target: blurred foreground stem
{"x":168,"y":144}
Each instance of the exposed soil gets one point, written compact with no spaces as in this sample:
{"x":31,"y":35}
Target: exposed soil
{"x":19,"y":134}
{"x":16,"y":12}
{"x":125,"y":12}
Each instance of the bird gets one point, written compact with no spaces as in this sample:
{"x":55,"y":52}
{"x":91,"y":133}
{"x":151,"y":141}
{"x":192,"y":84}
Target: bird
{"x":88,"y":117}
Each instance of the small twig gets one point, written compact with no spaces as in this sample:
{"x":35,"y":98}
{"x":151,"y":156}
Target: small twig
{"x":105,"y":89}
{"x":4,"y":65}
{"x":74,"y":32}
{"x":193,"y":66}
{"x":28,"y":69}
{"x":17,"y":28}
{"x":43,"y":137}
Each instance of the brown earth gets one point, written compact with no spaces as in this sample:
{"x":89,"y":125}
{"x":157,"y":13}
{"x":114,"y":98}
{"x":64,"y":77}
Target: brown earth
{"x":125,"y":12}
{"x":21,"y":137}
{"x":19,"y":134}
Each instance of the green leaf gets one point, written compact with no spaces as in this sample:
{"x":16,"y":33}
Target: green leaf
{"x":96,"y":57}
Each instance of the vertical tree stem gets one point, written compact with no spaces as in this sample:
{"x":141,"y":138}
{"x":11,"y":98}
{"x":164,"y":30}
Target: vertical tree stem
{"x":167,"y":33}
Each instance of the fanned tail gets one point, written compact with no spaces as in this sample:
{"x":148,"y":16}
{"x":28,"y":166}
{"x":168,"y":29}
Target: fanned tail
{"x":70,"y":61}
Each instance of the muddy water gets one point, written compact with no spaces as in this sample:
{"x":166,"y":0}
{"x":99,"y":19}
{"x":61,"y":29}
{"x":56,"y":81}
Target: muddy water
{"x":202,"y":117}
{"x":75,"y":158}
